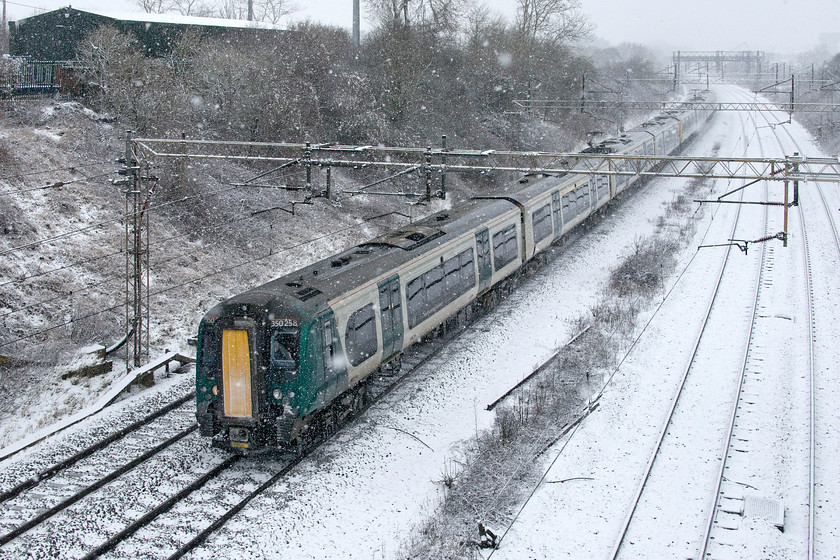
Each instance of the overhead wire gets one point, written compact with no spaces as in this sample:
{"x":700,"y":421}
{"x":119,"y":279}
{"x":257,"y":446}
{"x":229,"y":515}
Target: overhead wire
{"x":110,"y":278}
{"x":73,"y":293}
{"x":59,"y":269}
{"x":268,"y":255}
{"x":56,"y":185}
{"x":65,"y":324}
{"x":194,"y":281}
{"x":44,"y":172}
{"x":111,"y":221}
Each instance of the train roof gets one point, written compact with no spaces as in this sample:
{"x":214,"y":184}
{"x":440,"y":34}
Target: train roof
{"x":314,"y":286}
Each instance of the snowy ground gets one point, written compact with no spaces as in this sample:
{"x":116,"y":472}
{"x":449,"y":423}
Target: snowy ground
{"x":363,"y":493}
{"x":607,"y":455}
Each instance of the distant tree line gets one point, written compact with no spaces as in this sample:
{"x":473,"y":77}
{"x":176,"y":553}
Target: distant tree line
{"x":429,"y":67}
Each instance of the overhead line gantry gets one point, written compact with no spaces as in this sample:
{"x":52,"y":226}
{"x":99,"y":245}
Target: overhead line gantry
{"x":431,"y":164}
{"x":590,"y":105}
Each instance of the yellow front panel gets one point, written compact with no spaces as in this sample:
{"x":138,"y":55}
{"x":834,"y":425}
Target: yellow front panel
{"x":236,"y":369}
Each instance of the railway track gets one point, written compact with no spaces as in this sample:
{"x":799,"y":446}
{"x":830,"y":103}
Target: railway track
{"x":737,"y":492}
{"x":672,"y":460}
{"x":51,"y":471}
{"x":86,"y":506}
{"x":777,"y":451}
{"x":820,"y":251}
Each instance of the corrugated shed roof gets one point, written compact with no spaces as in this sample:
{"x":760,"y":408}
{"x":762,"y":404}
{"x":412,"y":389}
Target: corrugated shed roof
{"x":176,"y":19}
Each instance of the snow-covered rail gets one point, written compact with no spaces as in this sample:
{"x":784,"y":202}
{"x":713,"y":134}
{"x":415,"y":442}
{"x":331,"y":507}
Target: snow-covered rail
{"x":85,"y":504}
{"x":728,"y":500}
{"x":781,"y":461}
{"x":821,"y":255}
{"x":670,"y":460}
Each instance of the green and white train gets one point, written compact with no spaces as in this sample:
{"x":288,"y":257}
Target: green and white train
{"x":287,"y":360}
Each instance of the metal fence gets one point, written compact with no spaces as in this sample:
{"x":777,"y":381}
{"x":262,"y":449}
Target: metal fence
{"x":21,"y":76}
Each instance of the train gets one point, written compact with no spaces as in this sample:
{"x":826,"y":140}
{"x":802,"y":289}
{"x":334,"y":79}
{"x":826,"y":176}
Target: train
{"x":281,"y":364}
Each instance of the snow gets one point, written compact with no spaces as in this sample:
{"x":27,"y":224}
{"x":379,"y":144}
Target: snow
{"x":583,"y":518}
{"x":362,"y":494}
{"x":385,"y":481}
{"x":376,"y":484}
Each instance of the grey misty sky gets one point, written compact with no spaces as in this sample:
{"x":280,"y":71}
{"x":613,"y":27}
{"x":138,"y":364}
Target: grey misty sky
{"x":785,"y":26}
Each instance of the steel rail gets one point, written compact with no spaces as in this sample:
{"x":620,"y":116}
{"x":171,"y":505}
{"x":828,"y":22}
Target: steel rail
{"x":717,"y":494}
{"x":146,"y":519}
{"x":202,"y":536}
{"x":48,"y":473}
{"x":64,"y":504}
{"x":695,"y":350}
{"x":812,"y":477}
{"x":196,"y":541}
{"x":812,"y":404}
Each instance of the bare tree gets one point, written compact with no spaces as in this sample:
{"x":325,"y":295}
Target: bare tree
{"x":122,"y":80}
{"x":156,"y":6}
{"x":193,"y":8}
{"x":270,"y":11}
{"x":556,"y":21}
{"x":439,"y":15}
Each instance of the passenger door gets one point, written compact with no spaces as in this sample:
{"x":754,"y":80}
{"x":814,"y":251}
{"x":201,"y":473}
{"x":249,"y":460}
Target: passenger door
{"x":390,"y":306}
{"x":485,"y":271}
{"x":331,"y":349}
{"x":237,"y":370}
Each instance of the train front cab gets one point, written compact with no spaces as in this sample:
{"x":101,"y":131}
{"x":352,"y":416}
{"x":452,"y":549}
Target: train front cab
{"x":256,"y":376}
{"x":227,"y":380}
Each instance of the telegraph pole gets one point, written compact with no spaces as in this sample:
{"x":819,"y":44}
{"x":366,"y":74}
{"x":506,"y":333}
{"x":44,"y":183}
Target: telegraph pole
{"x":357,"y":38}
{"x":4,"y":34}
{"x":250,"y":10}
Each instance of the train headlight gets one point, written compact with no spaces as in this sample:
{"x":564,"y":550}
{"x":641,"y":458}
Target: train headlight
{"x":277,"y":394}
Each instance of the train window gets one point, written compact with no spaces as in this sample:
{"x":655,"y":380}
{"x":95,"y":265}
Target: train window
{"x":415,"y":301}
{"x":439,"y":286}
{"x":361,"y":335}
{"x":283,"y":352}
{"x":583,"y":196}
{"x":505,"y":247}
{"x":542,"y":223}
{"x":452,"y":280}
{"x":570,"y":209}
{"x":414,"y":291}
{"x":209,"y":346}
{"x":434,"y":286}
{"x":284,"y":349}
{"x":467,"y":270}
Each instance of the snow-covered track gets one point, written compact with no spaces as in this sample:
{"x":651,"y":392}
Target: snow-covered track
{"x":65,"y":503}
{"x":379,"y":388}
{"x":53,"y":470}
{"x":821,"y":541}
{"x":103,"y":518}
{"x":691,"y":399}
{"x":725,"y":500}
